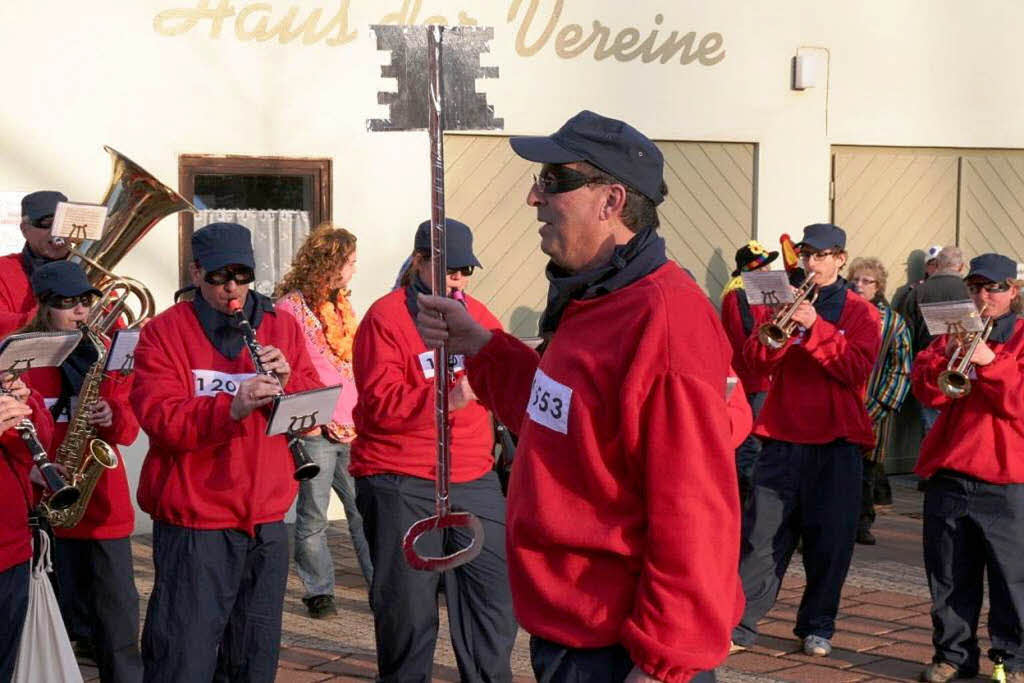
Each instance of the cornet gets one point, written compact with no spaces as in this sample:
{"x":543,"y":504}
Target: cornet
{"x":955,"y":380}
{"x":776,"y":333}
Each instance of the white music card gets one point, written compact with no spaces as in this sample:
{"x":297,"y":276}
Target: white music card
{"x":300,"y":412}
{"x":21,"y":352}
{"x":77,"y":222}
{"x":951,"y":317}
{"x":121,"y":357}
{"x":768,"y":287}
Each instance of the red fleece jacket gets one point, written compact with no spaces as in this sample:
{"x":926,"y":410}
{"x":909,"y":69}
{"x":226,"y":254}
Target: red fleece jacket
{"x":110,"y":513}
{"x":394,"y":414}
{"x":205,"y":470}
{"x":17,"y":303}
{"x":981,"y":434}
{"x":820,"y":378}
{"x":623,"y":519}
{"x":753,"y":381}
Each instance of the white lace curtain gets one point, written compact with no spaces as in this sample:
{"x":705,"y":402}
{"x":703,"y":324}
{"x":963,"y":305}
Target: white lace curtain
{"x":276,"y":236}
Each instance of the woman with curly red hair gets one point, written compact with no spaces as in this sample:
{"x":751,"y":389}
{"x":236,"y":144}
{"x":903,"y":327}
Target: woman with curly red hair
{"x":315,"y":292}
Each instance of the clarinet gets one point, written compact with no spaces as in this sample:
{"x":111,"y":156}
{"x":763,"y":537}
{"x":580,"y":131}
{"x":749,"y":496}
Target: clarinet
{"x":305,"y":468}
{"x":62,"y":494}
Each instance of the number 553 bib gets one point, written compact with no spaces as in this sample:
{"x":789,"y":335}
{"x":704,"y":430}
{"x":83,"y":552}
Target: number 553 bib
{"x":549,"y":403}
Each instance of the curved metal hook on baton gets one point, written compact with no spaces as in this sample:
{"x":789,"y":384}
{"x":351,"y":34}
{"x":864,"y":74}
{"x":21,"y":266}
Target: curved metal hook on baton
{"x":445,"y":518}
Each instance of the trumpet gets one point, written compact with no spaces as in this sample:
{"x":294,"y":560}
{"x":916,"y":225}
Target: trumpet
{"x":775,"y":333}
{"x":305,"y":468}
{"x":955,"y":380}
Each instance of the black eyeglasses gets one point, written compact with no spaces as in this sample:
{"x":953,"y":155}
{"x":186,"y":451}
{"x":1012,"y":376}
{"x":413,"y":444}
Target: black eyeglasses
{"x":990,"y":287}
{"x":465,"y":270}
{"x":64,"y":303}
{"x":559,"y":179}
{"x":222,"y":276}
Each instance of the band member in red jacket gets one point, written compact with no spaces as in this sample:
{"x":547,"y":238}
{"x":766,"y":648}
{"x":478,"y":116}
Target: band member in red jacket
{"x":92,"y":559}
{"x":623,"y":520}
{"x":216,"y":486}
{"x":814,"y":428}
{"x":394,"y":462}
{"x":18,"y":497}
{"x":974,"y":499}
{"x":17,"y":303}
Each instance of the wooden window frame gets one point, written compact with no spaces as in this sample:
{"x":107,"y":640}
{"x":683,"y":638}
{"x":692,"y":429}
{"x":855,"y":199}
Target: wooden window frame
{"x":191,"y":165}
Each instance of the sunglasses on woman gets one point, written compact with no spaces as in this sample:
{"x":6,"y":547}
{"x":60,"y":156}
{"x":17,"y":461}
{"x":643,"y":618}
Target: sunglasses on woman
{"x":222,"y":276}
{"x":64,"y":303}
{"x":990,"y":287}
{"x":465,"y":270}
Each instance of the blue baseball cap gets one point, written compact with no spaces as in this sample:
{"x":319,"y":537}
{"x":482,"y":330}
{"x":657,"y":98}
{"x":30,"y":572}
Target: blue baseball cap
{"x":222,"y":244}
{"x":458,"y":243}
{"x":613,"y":146}
{"x":60,"y":278}
{"x":42,"y":204}
{"x":993,"y":267}
{"x":823,"y":236}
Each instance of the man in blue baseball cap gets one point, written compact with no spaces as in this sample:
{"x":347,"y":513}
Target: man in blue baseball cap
{"x":17,"y":303}
{"x":974,"y":499}
{"x":624,"y":432}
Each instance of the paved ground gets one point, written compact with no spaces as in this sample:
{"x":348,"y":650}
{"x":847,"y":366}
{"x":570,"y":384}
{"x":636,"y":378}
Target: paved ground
{"x":883,"y":632}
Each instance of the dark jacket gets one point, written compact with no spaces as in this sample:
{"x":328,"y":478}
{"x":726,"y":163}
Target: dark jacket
{"x":939,"y":287}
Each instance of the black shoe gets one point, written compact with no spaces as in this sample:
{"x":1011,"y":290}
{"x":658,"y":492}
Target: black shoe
{"x":865,"y":537}
{"x":84,"y":648}
{"x":320,"y":606}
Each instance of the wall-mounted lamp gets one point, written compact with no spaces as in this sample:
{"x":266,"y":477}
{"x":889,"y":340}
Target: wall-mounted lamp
{"x":811,"y":65}
{"x":805,"y":71}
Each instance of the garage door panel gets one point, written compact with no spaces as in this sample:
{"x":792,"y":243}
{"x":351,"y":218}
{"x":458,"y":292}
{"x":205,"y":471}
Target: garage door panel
{"x":992,"y":207}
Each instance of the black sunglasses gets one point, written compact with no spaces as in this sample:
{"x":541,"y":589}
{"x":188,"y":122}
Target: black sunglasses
{"x":558,"y":179}
{"x":44,"y":223}
{"x":990,"y":287}
{"x":222,"y":276}
{"x":465,"y":270}
{"x":64,"y":303}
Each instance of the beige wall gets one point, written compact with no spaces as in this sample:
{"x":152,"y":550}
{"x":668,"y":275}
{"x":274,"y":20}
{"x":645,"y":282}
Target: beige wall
{"x":78,"y":75}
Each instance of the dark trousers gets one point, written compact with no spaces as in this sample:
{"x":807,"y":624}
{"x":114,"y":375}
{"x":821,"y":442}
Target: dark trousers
{"x":972,"y":527}
{"x":868,"y":479}
{"x":14,"y":597}
{"x":97,"y":596}
{"x":215,"y":611}
{"x":800,"y":491}
{"x":749,"y":450}
{"x":554,"y":663}
{"x":404,"y":600}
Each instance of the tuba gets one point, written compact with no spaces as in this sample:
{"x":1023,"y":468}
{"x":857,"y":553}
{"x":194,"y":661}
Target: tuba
{"x":135,"y":202}
{"x":84,"y":456}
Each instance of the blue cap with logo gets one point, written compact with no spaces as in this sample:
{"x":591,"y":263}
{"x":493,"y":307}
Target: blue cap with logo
{"x":42,"y":204}
{"x":222,"y":244}
{"x":458,"y":243}
{"x":823,"y":236}
{"x":60,"y":278}
{"x":613,"y":146}
{"x":993,"y":267}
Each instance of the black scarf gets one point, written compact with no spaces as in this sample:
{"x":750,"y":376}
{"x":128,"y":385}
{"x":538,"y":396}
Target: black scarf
{"x":1003,"y":328}
{"x":73,"y":371}
{"x":418,"y":286}
{"x":222,"y":330}
{"x":831,"y":300}
{"x":639,"y":257}
{"x":31,"y":261}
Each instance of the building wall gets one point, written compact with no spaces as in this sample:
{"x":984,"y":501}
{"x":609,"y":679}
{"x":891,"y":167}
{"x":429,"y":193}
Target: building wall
{"x":160,"y":78}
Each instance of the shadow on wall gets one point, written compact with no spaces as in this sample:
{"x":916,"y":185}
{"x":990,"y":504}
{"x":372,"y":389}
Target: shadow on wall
{"x":525,"y":322}
{"x":716,"y":276}
{"x":915,"y":266}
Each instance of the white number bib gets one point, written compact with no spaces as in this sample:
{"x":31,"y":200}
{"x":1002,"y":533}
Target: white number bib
{"x":549,"y":403}
{"x":211,"y":382}
{"x":427,"y":363}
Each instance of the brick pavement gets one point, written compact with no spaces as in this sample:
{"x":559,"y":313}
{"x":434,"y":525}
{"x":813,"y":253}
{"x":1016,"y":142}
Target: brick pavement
{"x":883,"y":631}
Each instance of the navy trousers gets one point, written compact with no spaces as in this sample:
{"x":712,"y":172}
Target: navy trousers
{"x":95,"y":580}
{"x":14,"y":595}
{"x":800,"y":491}
{"x":405,"y":600}
{"x":554,"y":663}
{"x":972,"y":528}
{"x":215,"y":611}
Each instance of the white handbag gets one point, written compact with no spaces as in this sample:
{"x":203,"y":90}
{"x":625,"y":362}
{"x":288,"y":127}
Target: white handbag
{"x":45,"y":652}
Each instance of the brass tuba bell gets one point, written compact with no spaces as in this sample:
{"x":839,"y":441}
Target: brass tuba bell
{"x":135,"y":202}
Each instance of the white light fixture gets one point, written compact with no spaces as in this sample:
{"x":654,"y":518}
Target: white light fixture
{"x":805,"y":71}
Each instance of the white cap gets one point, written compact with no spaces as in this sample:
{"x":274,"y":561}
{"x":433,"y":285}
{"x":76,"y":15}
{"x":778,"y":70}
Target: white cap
{"x":933,"y":252}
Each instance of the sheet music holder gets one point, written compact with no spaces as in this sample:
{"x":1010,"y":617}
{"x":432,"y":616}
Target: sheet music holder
{"x":79,"y":222}
{"x":300,"y":412}
{"x":952,"y":317}
{"x":121,"y":356}
{"x":767,"y":287}
{"x":21,"y":352}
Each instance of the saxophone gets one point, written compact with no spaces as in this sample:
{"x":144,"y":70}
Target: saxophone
{"x":84,"y":456}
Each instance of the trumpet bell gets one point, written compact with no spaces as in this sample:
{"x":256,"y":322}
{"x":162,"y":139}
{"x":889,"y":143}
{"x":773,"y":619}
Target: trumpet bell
{"x":954,"y":384}
{"x":772,"y":336}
